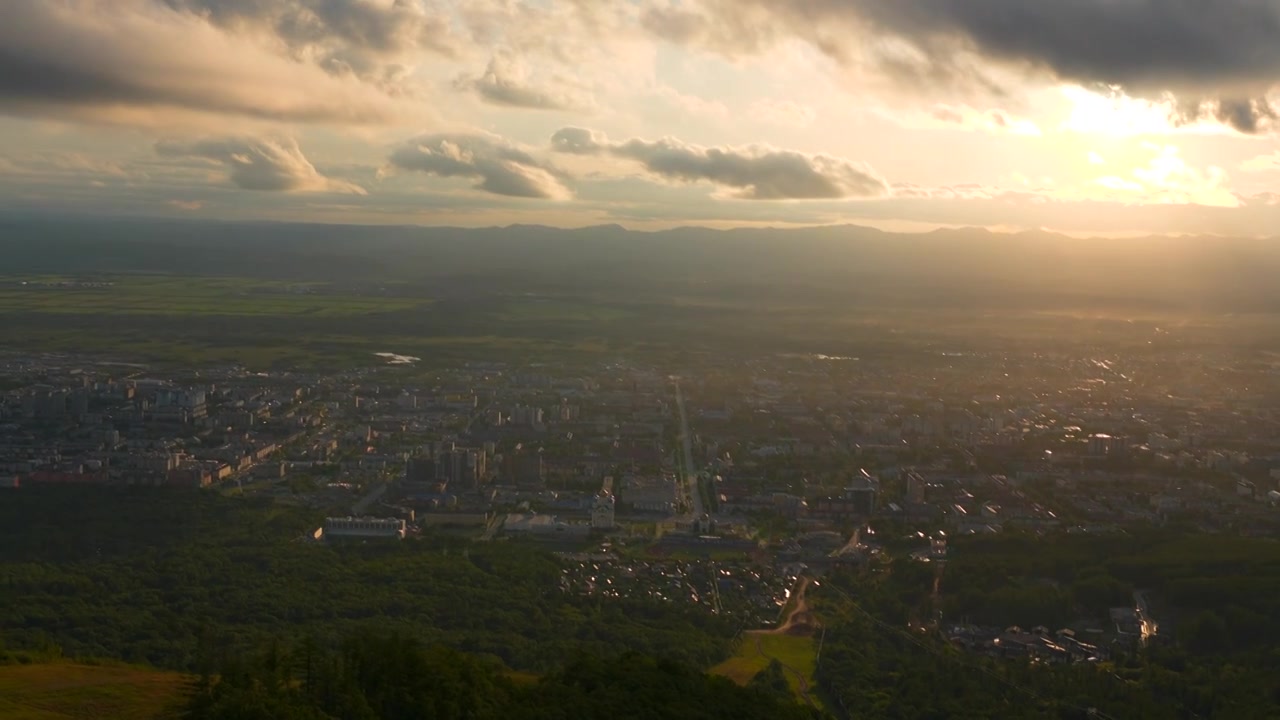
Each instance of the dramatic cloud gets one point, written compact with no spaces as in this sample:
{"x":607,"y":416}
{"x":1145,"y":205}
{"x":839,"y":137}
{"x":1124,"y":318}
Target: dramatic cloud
{"x":355,"y":36}
{"x":389,"y":26}
{"x":506,"y":82}
{"x":499,"y":167}
{"x":1220,"y":57}
{"x":103,"y":60}
{"x":1246,"y":116}
{"x":719,"y":26}
{"x":260,"y":164}
{"x":757,"y":173}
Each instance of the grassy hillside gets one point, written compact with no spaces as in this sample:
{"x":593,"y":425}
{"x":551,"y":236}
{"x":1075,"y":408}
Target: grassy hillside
{"x":798,"y":655}
{"x":73,"y":691}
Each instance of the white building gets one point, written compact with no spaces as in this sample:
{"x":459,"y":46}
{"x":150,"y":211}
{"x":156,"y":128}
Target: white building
{"x":542,"y":526}
{"x":364,"y":527}
{"x":602,"y":510}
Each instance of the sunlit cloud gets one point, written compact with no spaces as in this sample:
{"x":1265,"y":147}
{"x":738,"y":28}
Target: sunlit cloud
{"x":1262,"y":163}
{"x":494,"y":164}
{"x":1112,"y":112}
{"x":991,"y":121}
{"x":1166,"y":178}
{"x":267,"y":164}
{"x":507,"y":81}
{"x":750,"y":173}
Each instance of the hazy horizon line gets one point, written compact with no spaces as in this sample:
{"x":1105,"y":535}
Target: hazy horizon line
{"x":995,"y":230}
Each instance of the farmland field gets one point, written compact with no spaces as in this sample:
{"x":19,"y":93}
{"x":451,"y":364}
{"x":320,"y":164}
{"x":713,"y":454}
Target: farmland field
{"x":271,"y":324}
{"x":72,"y":691}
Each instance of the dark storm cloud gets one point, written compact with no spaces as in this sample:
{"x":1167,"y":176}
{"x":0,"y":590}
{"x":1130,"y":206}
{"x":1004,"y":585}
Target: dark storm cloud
{"x":1247,"y":116}
{"x":498,"y":166}
{"x":756,"y":173}
{"x":1140,"y":44}
{"x":25,"y":77}
{"x":1205,"y":50}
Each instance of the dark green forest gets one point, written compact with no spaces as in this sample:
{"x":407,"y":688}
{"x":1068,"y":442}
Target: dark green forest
{"x":1222,"y":662}
{"x":147,"y":576}
{"x":374,"y":676}
{"x":275,"y":626}
{"x":1216,"y":593}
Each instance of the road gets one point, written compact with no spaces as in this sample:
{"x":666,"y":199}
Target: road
{"x":799,"y":611}
{"x":690,"y":474}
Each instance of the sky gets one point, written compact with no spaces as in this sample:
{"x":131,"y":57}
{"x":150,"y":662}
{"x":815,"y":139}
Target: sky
{"x":1107,"y":117}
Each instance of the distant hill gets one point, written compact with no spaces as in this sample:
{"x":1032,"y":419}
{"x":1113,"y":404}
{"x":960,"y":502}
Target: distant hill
{"x":836,"y":263}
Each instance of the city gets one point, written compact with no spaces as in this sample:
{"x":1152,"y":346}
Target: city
{"x":718,"y":485}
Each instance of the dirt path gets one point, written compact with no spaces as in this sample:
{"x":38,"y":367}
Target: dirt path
{"x":799,"y":622}
{"x":799,"y":618}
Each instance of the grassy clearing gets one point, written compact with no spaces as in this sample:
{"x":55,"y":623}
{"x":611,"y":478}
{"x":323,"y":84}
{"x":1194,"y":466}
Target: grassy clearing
{"x":758,"y":648}
{"x":797,"y":653}
{"x":744,"y":665}
{"x":73,"y":691}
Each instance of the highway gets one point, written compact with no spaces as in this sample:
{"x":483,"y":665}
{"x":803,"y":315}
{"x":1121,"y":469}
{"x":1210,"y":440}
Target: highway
{"x":690,"y":474}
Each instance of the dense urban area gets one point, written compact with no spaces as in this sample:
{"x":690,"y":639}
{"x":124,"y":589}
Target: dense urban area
{"x":1025,"y":507}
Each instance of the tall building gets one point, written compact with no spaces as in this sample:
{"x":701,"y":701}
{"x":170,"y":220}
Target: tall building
{"x":915,"y":488}
{"x":526,"y":415}
{"x":523,"y":467}
{"x":568,"y":413}
{"x":79,"y":402}
{"x":420,"y":470}
{"x":1101,"y":444}
{"x":461,"y":468}
{"x":180,"y":405}
{"x":863,"y":490}
{"x":602,"y":511}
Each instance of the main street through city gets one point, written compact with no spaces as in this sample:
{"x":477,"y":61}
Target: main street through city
{"x":689,"y":474}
